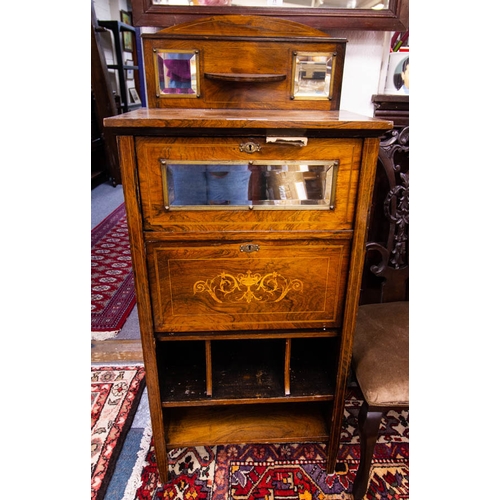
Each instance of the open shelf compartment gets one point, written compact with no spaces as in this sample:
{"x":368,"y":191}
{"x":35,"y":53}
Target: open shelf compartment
{"x":220,"y":372}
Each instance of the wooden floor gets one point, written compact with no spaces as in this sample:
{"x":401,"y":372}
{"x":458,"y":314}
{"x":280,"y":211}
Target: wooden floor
{"x":112,"y":350}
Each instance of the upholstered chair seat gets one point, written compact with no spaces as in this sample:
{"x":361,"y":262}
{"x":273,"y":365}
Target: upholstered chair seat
{"x":381,"y":353}
{"x":381,"y":366}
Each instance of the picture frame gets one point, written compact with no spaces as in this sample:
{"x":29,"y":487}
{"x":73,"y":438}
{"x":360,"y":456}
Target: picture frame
{"x":398,"y":66}
{"x":126,"y":17}
{"x":128,"y":43}
{"x":130,"y":72}
{"x":134,"y":96}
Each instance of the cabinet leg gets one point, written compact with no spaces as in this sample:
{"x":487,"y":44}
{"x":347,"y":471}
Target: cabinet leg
{"x":162,"y":460}
{"x":330,"y":464}
{"x":334,"y":467}
{"x":163,"y":474}
{"x":368,"y":423}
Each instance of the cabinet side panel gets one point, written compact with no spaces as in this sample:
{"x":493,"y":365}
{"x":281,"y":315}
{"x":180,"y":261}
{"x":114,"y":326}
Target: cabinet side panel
{"x":134,"y":220}
{"x":366,"y":182}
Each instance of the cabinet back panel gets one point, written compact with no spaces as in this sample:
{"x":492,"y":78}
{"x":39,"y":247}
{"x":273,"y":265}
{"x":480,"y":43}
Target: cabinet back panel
{"x":236,"y":58}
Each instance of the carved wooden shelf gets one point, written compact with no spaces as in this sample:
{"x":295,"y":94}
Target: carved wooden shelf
{"x":241,"y":77}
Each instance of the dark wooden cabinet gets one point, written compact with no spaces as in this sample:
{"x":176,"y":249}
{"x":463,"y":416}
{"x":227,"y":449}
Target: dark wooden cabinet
{"x":392,"y":107}
{"x":99,"y":167}
{"x":104,"y":159}
{"x":389,"y":213}
{"x":247,"y":229}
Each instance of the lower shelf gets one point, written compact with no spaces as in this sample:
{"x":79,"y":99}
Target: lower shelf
{"x":235,"y":424}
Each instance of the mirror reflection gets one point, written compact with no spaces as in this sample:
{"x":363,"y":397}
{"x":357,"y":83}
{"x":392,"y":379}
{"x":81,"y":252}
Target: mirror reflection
{"x":177,"y":73}
{"x":312,"y":75}
{"x":323,"y":4}
{"x":257,"y":184}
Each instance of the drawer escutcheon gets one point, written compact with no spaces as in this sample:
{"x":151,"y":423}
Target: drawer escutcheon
{"x":250,"y":147}
{"x":249,"y":248}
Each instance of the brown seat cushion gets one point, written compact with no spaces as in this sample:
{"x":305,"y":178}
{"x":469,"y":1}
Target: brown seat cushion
{"x":381,"y":353}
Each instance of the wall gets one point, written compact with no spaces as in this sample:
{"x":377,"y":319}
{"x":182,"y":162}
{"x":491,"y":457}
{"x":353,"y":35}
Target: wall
{"x":109,"y":10}
{"x":364,"y":69}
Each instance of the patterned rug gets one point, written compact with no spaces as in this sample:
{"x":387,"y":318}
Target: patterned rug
{"x":115,"y":394}
{"x":112,"y":280}
{"x":289,"y":471}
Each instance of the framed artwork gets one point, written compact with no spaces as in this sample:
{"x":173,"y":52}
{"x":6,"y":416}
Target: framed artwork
{"x":126,"y":17}
{"x":398,"y":74}
{"x":134,"y":96}
{"x":127,"y":41}
{"x":130,"y":72}
{"x":128,"y":44}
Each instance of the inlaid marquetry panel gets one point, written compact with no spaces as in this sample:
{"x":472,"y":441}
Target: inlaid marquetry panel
{"x":221,"y":286}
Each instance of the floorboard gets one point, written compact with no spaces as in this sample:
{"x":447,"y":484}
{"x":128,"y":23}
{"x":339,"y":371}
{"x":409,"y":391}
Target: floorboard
{"x":105,"y":199}
{"x":113,"y":350}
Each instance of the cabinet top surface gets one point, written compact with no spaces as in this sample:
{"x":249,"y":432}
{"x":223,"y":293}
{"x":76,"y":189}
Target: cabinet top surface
{"x":147,"y":118}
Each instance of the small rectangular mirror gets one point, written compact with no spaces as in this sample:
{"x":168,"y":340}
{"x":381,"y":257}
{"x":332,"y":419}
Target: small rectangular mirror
{"x":258,"y":184}
{"x":313,"y":75}
{"x":177,"y":73}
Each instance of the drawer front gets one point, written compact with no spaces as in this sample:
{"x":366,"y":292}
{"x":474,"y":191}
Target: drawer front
{"x":250,"y":285}
{"x":156,"y":156}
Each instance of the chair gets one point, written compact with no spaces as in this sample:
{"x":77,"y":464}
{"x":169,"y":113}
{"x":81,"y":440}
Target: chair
{"x":380,"y":361}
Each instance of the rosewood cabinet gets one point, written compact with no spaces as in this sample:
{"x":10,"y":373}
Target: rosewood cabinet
{"x":247,"y":229}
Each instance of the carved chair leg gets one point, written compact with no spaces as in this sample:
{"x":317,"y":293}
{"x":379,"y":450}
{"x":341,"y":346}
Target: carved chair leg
{"x":368,"y":423}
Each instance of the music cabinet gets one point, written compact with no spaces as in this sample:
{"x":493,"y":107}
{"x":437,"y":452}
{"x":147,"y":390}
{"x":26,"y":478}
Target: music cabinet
{"x":247,"y":193}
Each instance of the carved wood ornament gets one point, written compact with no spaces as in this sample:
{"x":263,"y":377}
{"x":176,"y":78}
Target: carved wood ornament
{"x":394,"y":253}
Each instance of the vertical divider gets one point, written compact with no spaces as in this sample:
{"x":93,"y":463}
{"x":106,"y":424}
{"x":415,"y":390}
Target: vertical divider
{"x":208,"y":363}
{"x":288,"y":353}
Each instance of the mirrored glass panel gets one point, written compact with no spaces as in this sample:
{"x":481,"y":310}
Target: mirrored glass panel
{"x":323,"y":4}
{"x":312,"y":75}
{"x":258,"y":184}
{"x":176,"y":73}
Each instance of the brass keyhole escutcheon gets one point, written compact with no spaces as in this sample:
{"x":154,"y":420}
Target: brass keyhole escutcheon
{"x":249,"y":248}
{"x":250,"y":147}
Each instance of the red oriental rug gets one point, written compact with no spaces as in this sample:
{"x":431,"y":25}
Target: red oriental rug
{"x":112,"y":280}
{"x":115,"y":394}
{"x":291,"y":471}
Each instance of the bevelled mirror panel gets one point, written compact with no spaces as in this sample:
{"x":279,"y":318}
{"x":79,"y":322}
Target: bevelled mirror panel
{"x":177,"y":73}
{"x":313,"y":75}
{"x":258,"y":184}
